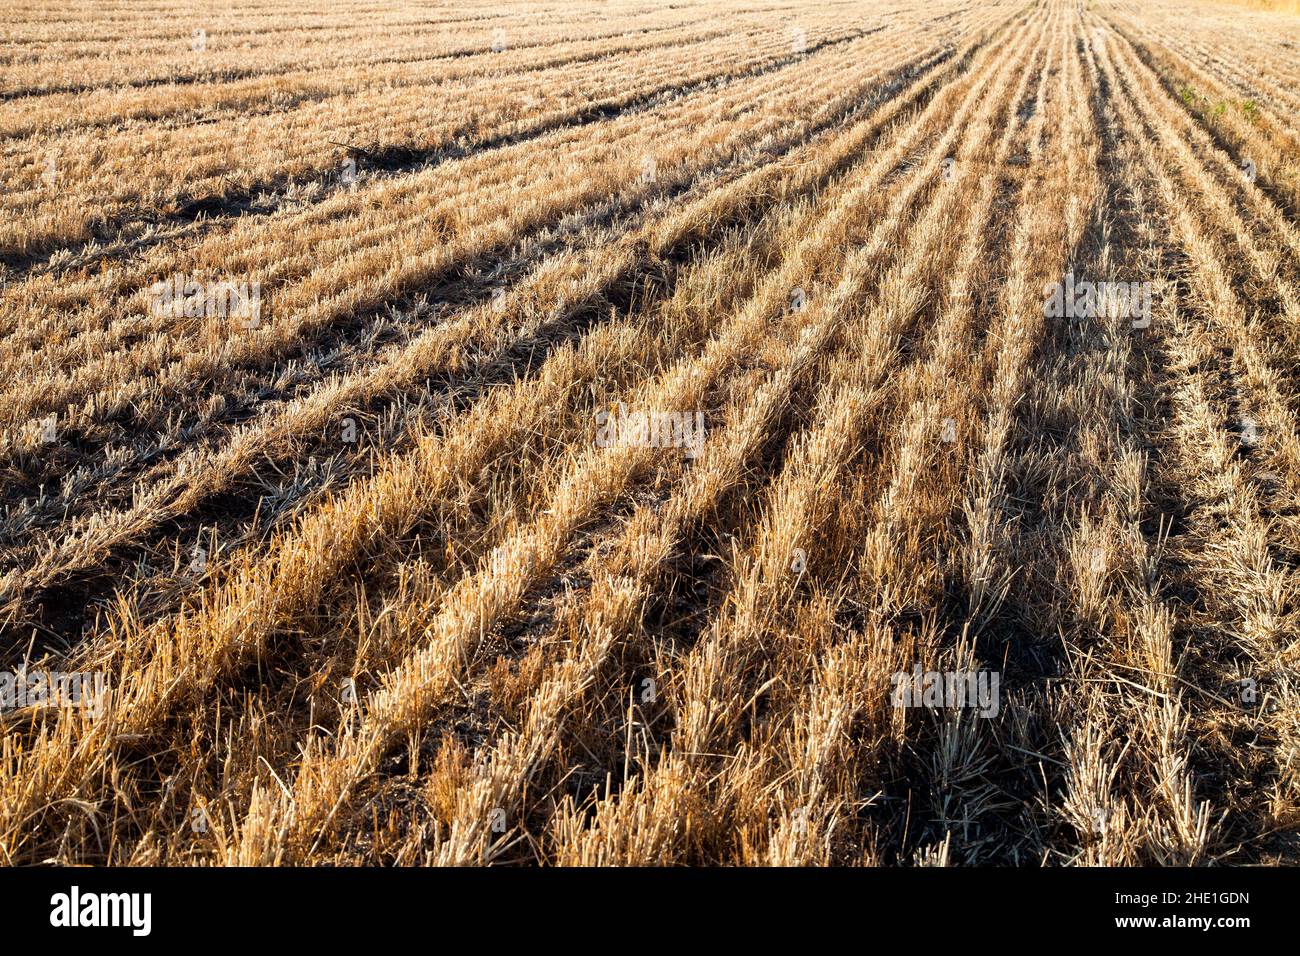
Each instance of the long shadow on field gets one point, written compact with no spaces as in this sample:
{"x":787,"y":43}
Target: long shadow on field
{"x":270,"y":196}
{"x":232,"y":74}
{"x":468,"y":282}
{"x":65,"y":608}
{"x":989,"y":814}
{"x":1285,"y":201}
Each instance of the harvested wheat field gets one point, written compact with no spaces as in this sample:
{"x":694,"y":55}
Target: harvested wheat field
{"x":559,"y":432}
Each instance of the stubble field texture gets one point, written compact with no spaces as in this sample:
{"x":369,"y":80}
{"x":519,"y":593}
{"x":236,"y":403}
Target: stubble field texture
{"x":560,"y":432}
